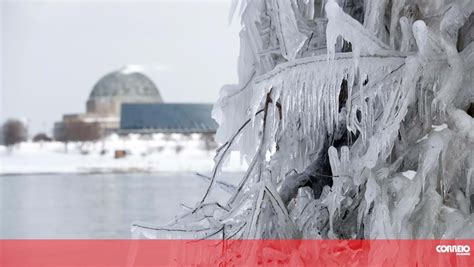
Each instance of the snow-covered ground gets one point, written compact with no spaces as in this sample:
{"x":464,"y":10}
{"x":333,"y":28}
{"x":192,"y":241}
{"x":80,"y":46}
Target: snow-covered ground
{"x":157,"y":153}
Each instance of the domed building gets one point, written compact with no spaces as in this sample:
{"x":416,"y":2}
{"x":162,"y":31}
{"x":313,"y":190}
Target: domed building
{"x":127,"y":85}
{"x":123,"y":86}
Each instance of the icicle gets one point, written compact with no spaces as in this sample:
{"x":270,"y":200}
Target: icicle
{"x":374,"y":17}
{"x":291,"y":40}
{"x":397,"y":7}
{"x":408,"y":39}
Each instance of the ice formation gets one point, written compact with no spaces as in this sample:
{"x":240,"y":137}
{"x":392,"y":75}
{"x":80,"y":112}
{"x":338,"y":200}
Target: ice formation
{"x":351,"y":115}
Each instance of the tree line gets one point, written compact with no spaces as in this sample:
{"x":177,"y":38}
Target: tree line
{"x":14,"y":131}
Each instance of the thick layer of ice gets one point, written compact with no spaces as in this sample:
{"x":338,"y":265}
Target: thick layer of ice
{"x":341,"y":144}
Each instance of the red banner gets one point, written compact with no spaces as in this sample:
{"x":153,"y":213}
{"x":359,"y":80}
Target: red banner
{"x":236,"y":253}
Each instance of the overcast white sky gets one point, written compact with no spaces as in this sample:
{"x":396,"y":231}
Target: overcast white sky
{"x":53,"y":52}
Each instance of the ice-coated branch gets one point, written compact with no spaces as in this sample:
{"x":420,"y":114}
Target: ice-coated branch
{"x":341,"y":24}
{"x":220,"y":156}
{"x":258,"y":158}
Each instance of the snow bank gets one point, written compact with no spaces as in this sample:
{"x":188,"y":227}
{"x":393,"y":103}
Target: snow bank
{"x":157,"y":153}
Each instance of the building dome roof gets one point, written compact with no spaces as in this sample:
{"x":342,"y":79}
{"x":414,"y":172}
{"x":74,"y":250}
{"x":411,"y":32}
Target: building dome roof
{"x":125,"y":83}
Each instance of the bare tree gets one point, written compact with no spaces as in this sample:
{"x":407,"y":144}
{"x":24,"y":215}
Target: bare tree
{"x":41,"y":137}
{"x":79,"y":131}
{"x":209,"y":142}
{"x":14,"y":131}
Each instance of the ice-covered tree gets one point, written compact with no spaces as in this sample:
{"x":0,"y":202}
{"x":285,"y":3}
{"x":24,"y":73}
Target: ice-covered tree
{"x":351,"y":117}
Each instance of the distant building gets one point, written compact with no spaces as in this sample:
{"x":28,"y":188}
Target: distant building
{"x":108,"y":95}
{"x":126,"y":101}
{"x":167,"y":118}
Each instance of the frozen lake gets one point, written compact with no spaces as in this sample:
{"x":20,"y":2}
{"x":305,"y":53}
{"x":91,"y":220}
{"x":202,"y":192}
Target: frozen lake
{"x":93,"y":206}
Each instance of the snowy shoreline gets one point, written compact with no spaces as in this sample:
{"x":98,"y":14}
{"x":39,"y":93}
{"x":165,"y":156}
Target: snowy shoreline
{"x":154,"y":154}
{"x":105,"y":171}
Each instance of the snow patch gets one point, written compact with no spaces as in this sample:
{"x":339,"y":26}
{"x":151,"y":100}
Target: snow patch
{"x":129,"y":69}
{"x":439,"y":128}
{"x":157,"y":153}
{"x":409,"y":174}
